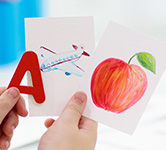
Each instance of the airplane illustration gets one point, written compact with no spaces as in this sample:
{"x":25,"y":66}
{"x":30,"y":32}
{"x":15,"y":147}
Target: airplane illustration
{"x":64,"y":61}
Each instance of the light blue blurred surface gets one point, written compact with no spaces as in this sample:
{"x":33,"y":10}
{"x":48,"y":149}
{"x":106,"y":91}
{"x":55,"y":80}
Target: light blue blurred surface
{"x":12,"y":35}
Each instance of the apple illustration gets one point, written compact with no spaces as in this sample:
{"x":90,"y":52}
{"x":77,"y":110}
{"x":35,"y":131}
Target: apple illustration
{"x":117,"y":85}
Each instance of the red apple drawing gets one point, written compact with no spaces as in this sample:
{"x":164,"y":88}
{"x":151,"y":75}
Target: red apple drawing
{"x":117,"y":85}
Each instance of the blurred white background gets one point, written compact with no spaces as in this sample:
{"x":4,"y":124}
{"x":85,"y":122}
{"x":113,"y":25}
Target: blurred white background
{"x":147,"y":16}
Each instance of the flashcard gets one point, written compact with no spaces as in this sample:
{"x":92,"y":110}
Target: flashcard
{"x":63,"y":46}
{"x":122,"y":76}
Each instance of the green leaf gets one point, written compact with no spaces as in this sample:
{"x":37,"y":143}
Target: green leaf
{"x":147,"y":61}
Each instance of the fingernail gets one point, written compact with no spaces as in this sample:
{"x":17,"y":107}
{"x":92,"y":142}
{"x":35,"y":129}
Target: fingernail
{"x":13,"y":93}
{"x":80,"y":97}
{"x":13,"y":127}
{"x":12,"y":130}
{"x":7,"y":144}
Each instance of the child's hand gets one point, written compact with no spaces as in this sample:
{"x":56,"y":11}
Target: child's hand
{"x":11,"y":105}
{"x":71,"y":131}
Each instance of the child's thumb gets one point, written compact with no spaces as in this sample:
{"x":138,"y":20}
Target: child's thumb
{"x":7,"y":101}
{"x":74,"y":108}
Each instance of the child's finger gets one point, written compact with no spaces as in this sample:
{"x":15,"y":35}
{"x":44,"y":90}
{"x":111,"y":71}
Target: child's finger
{"x":4,"y":141}
{"x":49,"y":122}
{"x":74,"y":108}
{"x":10,"y":123}
{"x":8,"y":99}
{"x":20,"y":107}
{"x":2,"y":89}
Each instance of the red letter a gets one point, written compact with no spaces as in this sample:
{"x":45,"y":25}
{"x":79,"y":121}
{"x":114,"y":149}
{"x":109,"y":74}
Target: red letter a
{"x":29,"y":62}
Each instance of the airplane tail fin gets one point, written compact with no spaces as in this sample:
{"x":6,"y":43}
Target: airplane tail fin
{"x":85,"y":53}
{"x":81,"y":47}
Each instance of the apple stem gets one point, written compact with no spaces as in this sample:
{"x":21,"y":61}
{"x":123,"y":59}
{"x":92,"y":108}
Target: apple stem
{"x":131,"y":58}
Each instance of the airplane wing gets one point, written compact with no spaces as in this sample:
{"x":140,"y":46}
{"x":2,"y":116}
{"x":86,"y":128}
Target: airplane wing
{"x":70,"y":68}
{"x":46,"y":53}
